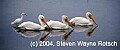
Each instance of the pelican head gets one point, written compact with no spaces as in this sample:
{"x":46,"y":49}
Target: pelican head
{"x":66,"y":20}
{"x":42,"y":20}
{"x":23,"y":14}
{"x":89,"y":16}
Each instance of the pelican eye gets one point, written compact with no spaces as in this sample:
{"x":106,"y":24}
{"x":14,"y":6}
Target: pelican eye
{"x":65,"y":20}
{"x":89,"y":15}
{"x":42,"y":17}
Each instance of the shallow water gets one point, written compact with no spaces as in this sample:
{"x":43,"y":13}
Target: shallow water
{"x":106,"y":13}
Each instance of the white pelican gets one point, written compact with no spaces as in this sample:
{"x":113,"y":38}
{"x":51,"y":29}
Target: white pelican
{"x":35,"y":26}
{"x":60,"y":25}
{"x":18,"y":20}
{"x":89,"y":20}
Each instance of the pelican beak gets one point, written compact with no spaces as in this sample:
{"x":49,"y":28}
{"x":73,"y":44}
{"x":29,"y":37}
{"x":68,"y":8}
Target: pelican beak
{"x":66,"y":20}
{"x":44,"y":21}
{"x":91,"y":17}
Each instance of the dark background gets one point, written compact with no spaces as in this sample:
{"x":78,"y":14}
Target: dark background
{"x":106,"y":13}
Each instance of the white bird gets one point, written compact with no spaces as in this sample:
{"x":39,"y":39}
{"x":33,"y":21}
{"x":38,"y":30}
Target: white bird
{"x":35,"y":26}
{"x":89,"y":20}
{"x":18,"y":20}
{"x":60,"y":25}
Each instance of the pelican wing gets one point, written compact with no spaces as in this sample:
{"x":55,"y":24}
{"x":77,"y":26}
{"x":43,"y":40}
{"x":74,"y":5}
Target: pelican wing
{"x":30,"y":25}
{"x":56,"y":24}
{"x":80,"y":20}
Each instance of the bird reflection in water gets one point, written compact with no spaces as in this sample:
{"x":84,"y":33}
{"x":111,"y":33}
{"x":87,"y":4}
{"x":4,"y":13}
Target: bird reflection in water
{"x":84,"y":28}
{"x":80,"y":29}
{"x":53,"y":33}
{"x":64,"y":33}
{"x":89,"y":33}
{"x":65,"y":36}
{"x":27,"y":33}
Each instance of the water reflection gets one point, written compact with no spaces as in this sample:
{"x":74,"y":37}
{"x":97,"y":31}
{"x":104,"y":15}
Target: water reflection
{"x":54,"y":33}
{"x":89,"y":33}
{"x":42,"y":38}
{"x":64,"y":33}
{"x":90,"y":29}
{"x":28,"y":33}
{"x":65,"y":36}
{"x":80,"y":29}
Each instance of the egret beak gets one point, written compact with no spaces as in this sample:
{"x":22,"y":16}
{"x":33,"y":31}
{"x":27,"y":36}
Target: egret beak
{"x":91,"y":17}
{"x":66,"y":20}
{"x":44,"y":21}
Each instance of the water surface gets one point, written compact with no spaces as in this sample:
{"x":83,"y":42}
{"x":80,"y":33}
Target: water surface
{"x":106,"y":13}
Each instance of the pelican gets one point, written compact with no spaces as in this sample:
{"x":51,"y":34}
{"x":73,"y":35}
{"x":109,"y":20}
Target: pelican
{"x":35,"y":26}
{"x":18,"y":20}
{"x":60,"y":25}
{"x":89,"y":20}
